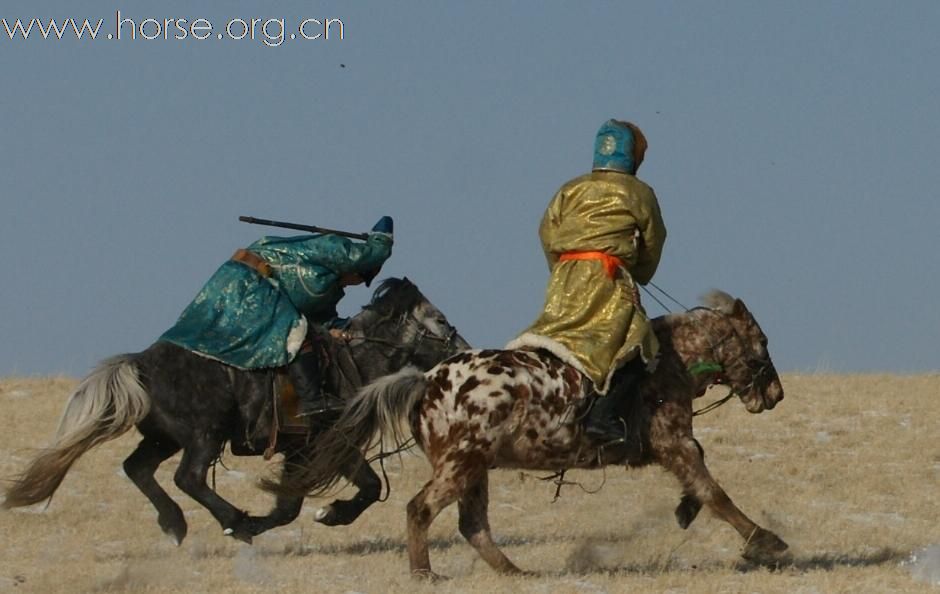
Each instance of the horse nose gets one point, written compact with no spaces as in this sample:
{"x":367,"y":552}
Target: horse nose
{"x":460,"y":344}
{"x":773,"y":394}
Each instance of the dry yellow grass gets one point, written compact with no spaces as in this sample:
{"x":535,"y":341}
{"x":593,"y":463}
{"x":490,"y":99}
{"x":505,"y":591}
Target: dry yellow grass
{"x":846,"y":470}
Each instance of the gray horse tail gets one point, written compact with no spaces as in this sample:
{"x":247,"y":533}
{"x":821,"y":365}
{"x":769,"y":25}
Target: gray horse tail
{"x":105,"y":405}
{"x":380,"y":411}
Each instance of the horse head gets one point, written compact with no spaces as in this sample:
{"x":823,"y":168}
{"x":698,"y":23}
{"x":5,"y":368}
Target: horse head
{"x":403,"y":318}
{"x":739,"y":346}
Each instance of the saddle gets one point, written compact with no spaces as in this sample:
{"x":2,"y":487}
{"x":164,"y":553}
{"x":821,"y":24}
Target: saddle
{"x":341,"y":376}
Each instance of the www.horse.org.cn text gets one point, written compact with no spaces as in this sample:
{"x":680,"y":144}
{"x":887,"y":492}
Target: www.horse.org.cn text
{"x":271,"y":32}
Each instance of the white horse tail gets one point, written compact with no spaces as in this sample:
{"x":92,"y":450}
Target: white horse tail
{"x":105,"y":405}
{"x":380,"y":410}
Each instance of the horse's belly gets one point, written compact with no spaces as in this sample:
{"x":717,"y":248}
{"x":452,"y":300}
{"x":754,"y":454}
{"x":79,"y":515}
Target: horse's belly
{"x":538,"y":442}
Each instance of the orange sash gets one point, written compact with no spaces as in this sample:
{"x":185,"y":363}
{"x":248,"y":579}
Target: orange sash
{"x":611,"y":263}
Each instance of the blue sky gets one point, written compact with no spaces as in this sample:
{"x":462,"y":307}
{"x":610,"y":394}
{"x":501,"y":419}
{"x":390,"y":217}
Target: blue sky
{"x":793,"y":147}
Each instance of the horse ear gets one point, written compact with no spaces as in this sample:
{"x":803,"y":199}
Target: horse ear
{"x":740,"y":310}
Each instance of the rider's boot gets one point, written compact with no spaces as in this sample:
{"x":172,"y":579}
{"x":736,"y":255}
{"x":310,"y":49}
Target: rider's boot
{"x":304,"y":373}
{"x":615,"y":419}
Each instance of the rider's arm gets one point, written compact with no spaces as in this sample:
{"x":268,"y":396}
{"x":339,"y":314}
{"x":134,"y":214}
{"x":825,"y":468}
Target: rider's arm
{"x":652,"y":237}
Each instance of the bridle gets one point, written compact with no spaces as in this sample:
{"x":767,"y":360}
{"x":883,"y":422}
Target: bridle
{"x":755,"y":370}
{"x":721,"y":377}
{"x":422,"y":333}
{"x":419,"y":335}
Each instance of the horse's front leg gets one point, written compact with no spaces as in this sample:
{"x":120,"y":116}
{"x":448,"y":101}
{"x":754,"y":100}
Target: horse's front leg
{"x":684,"y":458}
{"x":190,"y":477}
{"x":286,"y":507}
{"x":343,"y":512}
{"x":689,"y":505}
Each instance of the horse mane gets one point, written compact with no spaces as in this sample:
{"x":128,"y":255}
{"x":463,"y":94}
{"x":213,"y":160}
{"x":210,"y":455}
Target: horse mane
{"x":713,"y":300}
{"x":394,"y":297}
{"x":719,"y":300}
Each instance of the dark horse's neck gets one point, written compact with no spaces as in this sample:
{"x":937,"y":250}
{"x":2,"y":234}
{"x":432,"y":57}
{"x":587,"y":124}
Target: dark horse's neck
{"x":383,"y":337}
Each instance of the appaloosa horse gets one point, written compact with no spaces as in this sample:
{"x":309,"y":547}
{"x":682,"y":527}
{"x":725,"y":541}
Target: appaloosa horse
{"x":522,"y":409}
{"x":180,"y":400}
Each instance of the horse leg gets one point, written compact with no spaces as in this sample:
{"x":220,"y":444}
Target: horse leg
{"x":343,"y":512}
{"x":475,"y":526}
{"x":140,"y":467}
{"x":689,"y":505}
{"x":445,"y":487}
{"x":687,"y":510}
{"x":286,"y":507}
{"x":190,"y":477}
{"x":688,"y":464}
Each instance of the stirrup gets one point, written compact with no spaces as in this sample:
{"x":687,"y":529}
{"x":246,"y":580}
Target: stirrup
{"x":323,"y":406}
{"x":607,"y":435}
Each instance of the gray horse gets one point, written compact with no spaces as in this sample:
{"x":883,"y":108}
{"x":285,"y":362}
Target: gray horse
{"x":182,"y":401}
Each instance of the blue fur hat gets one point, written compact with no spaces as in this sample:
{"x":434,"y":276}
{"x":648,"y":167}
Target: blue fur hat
{"x":619,"y":146}
{"x":385,"y":225}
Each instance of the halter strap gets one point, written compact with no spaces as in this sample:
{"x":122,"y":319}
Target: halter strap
{"x":700,"y":367}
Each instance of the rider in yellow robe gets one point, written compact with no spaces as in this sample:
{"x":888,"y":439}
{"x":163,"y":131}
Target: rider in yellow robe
{"x":601,"y":234}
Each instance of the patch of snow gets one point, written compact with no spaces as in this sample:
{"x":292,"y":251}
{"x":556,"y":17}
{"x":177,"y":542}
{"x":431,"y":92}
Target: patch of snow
{"x":761,"y":456}
{"x":924,"y":565}
{"x":823,"y":437}
{"x":18,"y":393}
{"x":248,"y":568}
{"x":877,"y":518}
{"x":235,"y":474}
{"x":39,"y":508}
{"x":11,"y":582}
{"x":905,"y":421}
{"x":583,"y":585}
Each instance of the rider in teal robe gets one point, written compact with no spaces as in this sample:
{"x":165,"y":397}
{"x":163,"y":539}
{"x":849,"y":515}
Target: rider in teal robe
{"x":255,"y":310}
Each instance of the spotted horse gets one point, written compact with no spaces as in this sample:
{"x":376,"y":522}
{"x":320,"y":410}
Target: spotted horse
{"x":521,"y":409}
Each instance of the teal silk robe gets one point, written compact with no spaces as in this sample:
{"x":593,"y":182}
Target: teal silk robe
{"x":251,"y":322}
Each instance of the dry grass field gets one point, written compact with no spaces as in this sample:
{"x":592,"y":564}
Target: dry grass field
{"x":846,"y":470}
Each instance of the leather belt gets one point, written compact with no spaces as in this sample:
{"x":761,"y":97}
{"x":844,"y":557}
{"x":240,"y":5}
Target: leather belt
{"x":254,"y":261}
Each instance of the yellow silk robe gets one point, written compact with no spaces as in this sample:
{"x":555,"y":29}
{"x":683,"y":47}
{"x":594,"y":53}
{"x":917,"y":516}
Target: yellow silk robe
{"x":590,"y":320}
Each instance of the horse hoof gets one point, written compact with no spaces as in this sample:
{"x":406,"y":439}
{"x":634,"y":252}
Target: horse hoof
{"x":687,"y":510}
{"x":176,"y":532}
{"x":328,"y":516}
{"x":241,"y":535}
{"x":764,"y":547}
{"x":426,"y":575}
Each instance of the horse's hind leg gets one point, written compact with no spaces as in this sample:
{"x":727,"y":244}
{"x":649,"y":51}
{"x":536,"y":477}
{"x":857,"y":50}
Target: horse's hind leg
{"x":445,"y":487}
{"x":191,"y":479}
{"x":140,"y":467}
{"x":343,"y":512}
{"x":688,"y":464}
{"x":475,"y":526}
